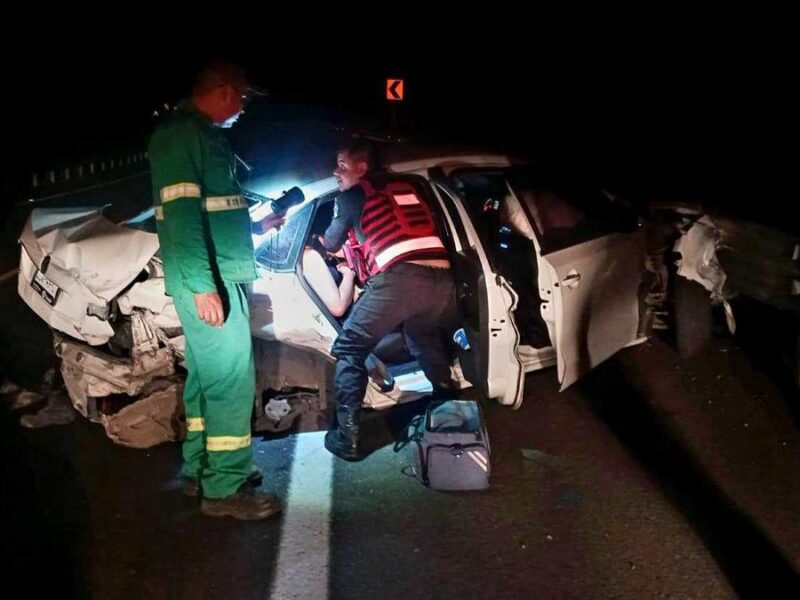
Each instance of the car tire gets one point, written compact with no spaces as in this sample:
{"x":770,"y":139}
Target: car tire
{"x":693,"y":318}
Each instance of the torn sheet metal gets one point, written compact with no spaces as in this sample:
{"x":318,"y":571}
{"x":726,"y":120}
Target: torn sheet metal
{"x":90,"y":373}
{"x":73,"y":263}
{"x":155,"y":418}
{"x":151,"y":295}
{"x":698,"y":262}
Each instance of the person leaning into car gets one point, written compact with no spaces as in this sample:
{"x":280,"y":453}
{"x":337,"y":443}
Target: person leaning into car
{"x":409,"y":284}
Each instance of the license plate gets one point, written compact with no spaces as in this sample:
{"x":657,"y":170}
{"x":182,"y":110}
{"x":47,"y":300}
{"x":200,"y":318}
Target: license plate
{"x":45,"y":288}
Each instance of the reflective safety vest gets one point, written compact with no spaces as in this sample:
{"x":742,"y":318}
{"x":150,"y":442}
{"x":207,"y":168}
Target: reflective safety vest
{"x":397,"y":225}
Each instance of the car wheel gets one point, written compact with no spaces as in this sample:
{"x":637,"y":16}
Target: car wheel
{"x":693,"y":319}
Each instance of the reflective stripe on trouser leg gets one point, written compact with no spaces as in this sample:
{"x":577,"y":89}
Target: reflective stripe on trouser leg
{"x":194,"y":445}
{"x":223,"y":364}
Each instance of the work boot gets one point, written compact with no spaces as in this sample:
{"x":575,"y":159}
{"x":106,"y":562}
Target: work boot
{"x":191,"y":487}
{"x":245,"y":504}
{"x":343,"y":440}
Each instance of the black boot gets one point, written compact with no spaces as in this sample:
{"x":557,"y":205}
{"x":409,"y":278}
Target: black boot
{"x":446,"y":391}
{"x":342,"y":441}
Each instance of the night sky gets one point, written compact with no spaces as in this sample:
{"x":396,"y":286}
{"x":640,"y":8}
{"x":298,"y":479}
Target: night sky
{"x":702,"y":111}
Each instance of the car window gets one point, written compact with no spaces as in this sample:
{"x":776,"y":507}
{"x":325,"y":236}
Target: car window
{"x":566,"y":211}
{"x":281,"y":248}
{"x":563,"y":211}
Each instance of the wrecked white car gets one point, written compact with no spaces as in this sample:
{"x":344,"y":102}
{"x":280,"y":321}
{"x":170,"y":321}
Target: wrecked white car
{"x":100,"y":287}
{"x":548,"y":273}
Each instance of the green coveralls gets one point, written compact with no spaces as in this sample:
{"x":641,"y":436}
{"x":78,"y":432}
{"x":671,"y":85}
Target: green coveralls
{"x":206,"y":246}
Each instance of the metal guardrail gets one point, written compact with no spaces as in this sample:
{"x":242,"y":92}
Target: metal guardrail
{"x":66,"y":178}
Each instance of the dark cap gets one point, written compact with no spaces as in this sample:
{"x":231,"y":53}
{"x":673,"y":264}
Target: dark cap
{"x":225,"y":72}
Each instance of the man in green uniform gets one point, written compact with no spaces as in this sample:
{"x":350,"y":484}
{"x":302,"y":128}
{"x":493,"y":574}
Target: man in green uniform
{"x":207,"y":250}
